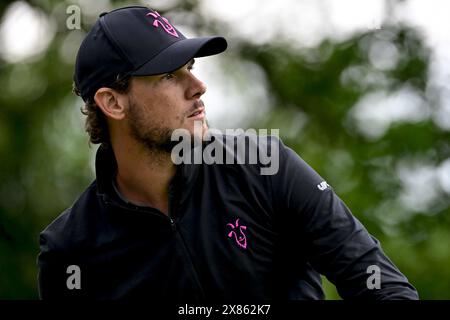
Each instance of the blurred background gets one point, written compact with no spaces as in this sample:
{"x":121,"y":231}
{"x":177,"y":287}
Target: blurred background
{"x":360,"y":89}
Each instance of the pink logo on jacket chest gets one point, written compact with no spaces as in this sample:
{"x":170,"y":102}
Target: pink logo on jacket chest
{"x":237,"y":232}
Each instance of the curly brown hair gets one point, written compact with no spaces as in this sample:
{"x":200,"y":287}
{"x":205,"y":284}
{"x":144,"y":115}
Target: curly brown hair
{"x":96,"y":125}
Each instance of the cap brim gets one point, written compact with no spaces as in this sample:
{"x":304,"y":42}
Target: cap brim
{"x":181,"y":52}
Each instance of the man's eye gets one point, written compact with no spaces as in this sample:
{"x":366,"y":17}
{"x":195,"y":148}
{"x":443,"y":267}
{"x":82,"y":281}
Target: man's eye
{"x":191,"y":67}
{"x":168,"y":76}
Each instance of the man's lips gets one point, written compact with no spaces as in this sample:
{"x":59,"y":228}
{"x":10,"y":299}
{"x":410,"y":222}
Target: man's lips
{"x":200,"y":112}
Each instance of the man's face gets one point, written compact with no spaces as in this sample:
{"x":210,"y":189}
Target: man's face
{"x":160,"y":104}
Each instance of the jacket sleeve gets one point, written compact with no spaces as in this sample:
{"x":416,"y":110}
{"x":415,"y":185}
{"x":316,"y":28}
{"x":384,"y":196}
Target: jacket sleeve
{"x":49,"y":277}
{"x":52,"y":275}
{"x":335,"y":243}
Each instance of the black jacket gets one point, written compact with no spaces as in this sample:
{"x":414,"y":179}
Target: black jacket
{"x":231,"y":234}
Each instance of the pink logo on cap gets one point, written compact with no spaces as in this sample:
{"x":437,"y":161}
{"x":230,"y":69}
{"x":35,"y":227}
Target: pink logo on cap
{"x":241,"y":240}
{"x":163,"y":22}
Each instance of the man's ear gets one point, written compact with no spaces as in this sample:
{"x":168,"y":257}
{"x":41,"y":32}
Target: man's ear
{"x":111,"y":103}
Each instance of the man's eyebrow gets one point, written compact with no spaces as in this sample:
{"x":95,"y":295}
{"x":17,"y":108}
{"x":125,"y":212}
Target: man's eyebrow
{"x":191,"y":63}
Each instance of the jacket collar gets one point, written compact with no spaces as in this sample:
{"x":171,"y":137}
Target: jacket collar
{"x":106,"y":166}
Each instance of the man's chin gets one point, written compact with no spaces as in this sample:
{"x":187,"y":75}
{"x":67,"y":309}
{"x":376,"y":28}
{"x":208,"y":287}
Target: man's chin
{"x":198,"y":129}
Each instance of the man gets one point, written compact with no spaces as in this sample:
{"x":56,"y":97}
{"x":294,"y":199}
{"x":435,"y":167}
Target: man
{"x":151,"y":228}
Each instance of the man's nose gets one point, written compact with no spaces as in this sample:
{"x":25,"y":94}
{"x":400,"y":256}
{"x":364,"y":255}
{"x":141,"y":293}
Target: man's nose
{"x":196,"y":88}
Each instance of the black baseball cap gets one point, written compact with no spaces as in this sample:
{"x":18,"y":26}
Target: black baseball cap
{"x":135,"y":41}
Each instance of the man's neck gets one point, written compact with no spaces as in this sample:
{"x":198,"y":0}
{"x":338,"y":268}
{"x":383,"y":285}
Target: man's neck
{"x":143,"y":177}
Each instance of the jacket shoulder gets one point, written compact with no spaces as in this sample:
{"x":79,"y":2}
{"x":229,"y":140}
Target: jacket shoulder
{"x":66,"y":231}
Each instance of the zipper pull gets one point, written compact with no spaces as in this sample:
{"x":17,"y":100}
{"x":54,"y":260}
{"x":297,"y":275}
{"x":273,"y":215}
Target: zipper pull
{"x":172,"y":224}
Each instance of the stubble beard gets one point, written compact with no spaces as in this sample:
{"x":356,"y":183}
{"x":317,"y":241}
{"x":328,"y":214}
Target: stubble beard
{"x":154,"y":137}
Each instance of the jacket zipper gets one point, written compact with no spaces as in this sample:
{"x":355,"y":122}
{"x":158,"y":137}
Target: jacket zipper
{"x":171,"y":219}
{"x":171,"y":215}
{"x":172,"y":224}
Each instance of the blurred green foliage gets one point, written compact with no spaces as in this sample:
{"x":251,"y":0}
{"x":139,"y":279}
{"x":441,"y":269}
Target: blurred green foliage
{"x":46,"y":161}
